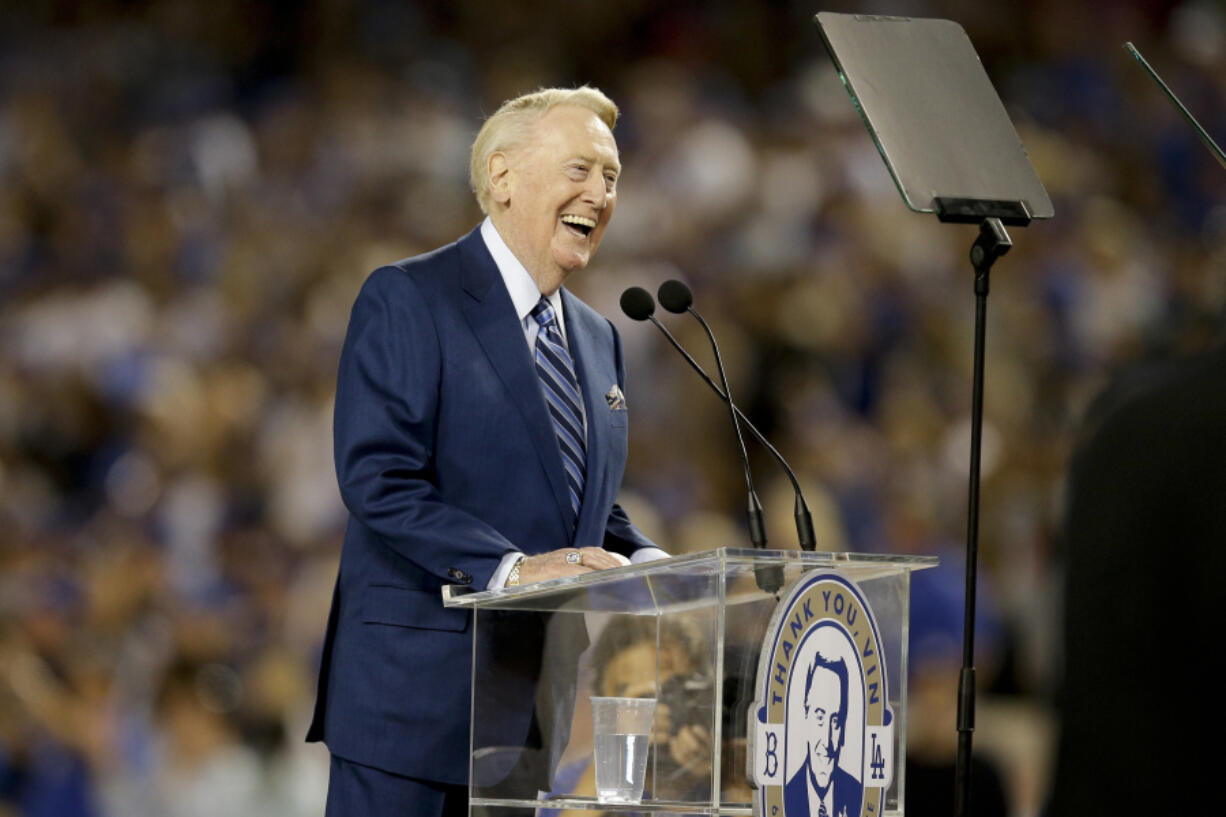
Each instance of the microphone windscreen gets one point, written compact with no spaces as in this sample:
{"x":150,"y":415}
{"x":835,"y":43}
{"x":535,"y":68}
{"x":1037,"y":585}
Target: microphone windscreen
{"x":675,"y":296}
{"x":638,"y":304}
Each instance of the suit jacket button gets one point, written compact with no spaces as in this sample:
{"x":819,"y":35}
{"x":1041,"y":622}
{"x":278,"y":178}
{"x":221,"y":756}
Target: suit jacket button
{"x":459,"y":576}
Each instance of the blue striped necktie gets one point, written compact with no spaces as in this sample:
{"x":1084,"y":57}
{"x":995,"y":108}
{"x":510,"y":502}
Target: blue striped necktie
{"x":557,"y":373}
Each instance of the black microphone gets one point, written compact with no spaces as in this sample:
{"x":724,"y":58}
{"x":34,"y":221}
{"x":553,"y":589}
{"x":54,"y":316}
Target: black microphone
{"x":638,"y":305}
{"x":676,"y":297}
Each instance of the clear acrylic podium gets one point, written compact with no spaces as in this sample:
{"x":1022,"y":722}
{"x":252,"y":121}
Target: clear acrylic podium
{"x":687,"y":631}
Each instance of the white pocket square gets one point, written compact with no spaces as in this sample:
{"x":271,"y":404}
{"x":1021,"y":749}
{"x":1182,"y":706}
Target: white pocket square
{"x":615,"y":398}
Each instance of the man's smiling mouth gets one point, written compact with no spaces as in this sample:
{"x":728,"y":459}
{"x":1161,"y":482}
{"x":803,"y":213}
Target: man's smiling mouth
{"x":579,"y":224}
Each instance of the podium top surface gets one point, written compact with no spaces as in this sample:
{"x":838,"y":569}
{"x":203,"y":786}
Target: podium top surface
{"x":721,"y":576}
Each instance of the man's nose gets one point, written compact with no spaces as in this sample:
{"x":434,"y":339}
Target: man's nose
{"x":594,"y":191}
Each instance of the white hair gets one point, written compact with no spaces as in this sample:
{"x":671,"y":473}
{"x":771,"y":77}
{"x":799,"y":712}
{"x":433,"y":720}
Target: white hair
{"x":511,"y":124}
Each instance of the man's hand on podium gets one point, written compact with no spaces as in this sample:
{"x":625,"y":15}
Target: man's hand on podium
{"x":566,"y":562}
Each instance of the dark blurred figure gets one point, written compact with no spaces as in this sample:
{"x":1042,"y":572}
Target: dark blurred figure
{"x":1144,"y":537}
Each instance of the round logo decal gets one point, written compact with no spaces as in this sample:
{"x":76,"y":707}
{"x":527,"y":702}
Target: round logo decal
{"x":821,"y":730}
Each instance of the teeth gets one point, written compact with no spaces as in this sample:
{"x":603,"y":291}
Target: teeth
{"x":582,"y":221}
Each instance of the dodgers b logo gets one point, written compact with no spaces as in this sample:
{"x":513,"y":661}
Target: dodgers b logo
{"x":821,"y":728}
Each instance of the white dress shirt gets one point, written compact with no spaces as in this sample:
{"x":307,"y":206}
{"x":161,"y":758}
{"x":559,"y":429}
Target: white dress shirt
{"x":525,"y":294}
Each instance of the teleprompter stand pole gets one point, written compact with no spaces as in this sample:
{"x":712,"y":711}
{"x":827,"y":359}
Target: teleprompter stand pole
{"x":992,"y":243}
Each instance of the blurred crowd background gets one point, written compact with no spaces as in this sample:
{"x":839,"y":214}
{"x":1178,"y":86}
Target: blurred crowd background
{"x":191,"y":194}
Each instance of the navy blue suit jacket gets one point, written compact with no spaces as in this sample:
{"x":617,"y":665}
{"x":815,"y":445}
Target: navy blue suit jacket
{"x":447,"y":459}
{"x":847,"y":794}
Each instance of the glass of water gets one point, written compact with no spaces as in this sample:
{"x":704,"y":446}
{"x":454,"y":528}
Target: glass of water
{"x":622,"y":728}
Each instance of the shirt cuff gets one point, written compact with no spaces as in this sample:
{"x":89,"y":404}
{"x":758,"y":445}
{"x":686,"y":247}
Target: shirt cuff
{"x":647,"y":555}
{"x":499,"y":579}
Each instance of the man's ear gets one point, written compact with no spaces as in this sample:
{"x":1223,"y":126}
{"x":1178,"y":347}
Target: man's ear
{"x":499,"y":169}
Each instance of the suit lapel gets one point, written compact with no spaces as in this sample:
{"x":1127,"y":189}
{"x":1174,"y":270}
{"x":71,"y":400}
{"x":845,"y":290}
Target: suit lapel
{"x":491,"y":316}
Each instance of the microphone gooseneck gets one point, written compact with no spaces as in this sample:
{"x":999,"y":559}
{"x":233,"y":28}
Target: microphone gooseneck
{"x":632,"y":306}
{"x":676,"y":297}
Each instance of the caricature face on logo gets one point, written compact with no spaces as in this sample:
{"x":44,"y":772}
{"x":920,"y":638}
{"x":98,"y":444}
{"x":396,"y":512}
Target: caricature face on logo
{"x":825,"y":701}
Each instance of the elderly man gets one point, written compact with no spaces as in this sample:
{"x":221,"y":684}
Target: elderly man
{"x":480,"y":439}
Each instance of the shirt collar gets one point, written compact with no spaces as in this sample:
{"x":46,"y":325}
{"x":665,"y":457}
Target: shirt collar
{"x":519,"y":282}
